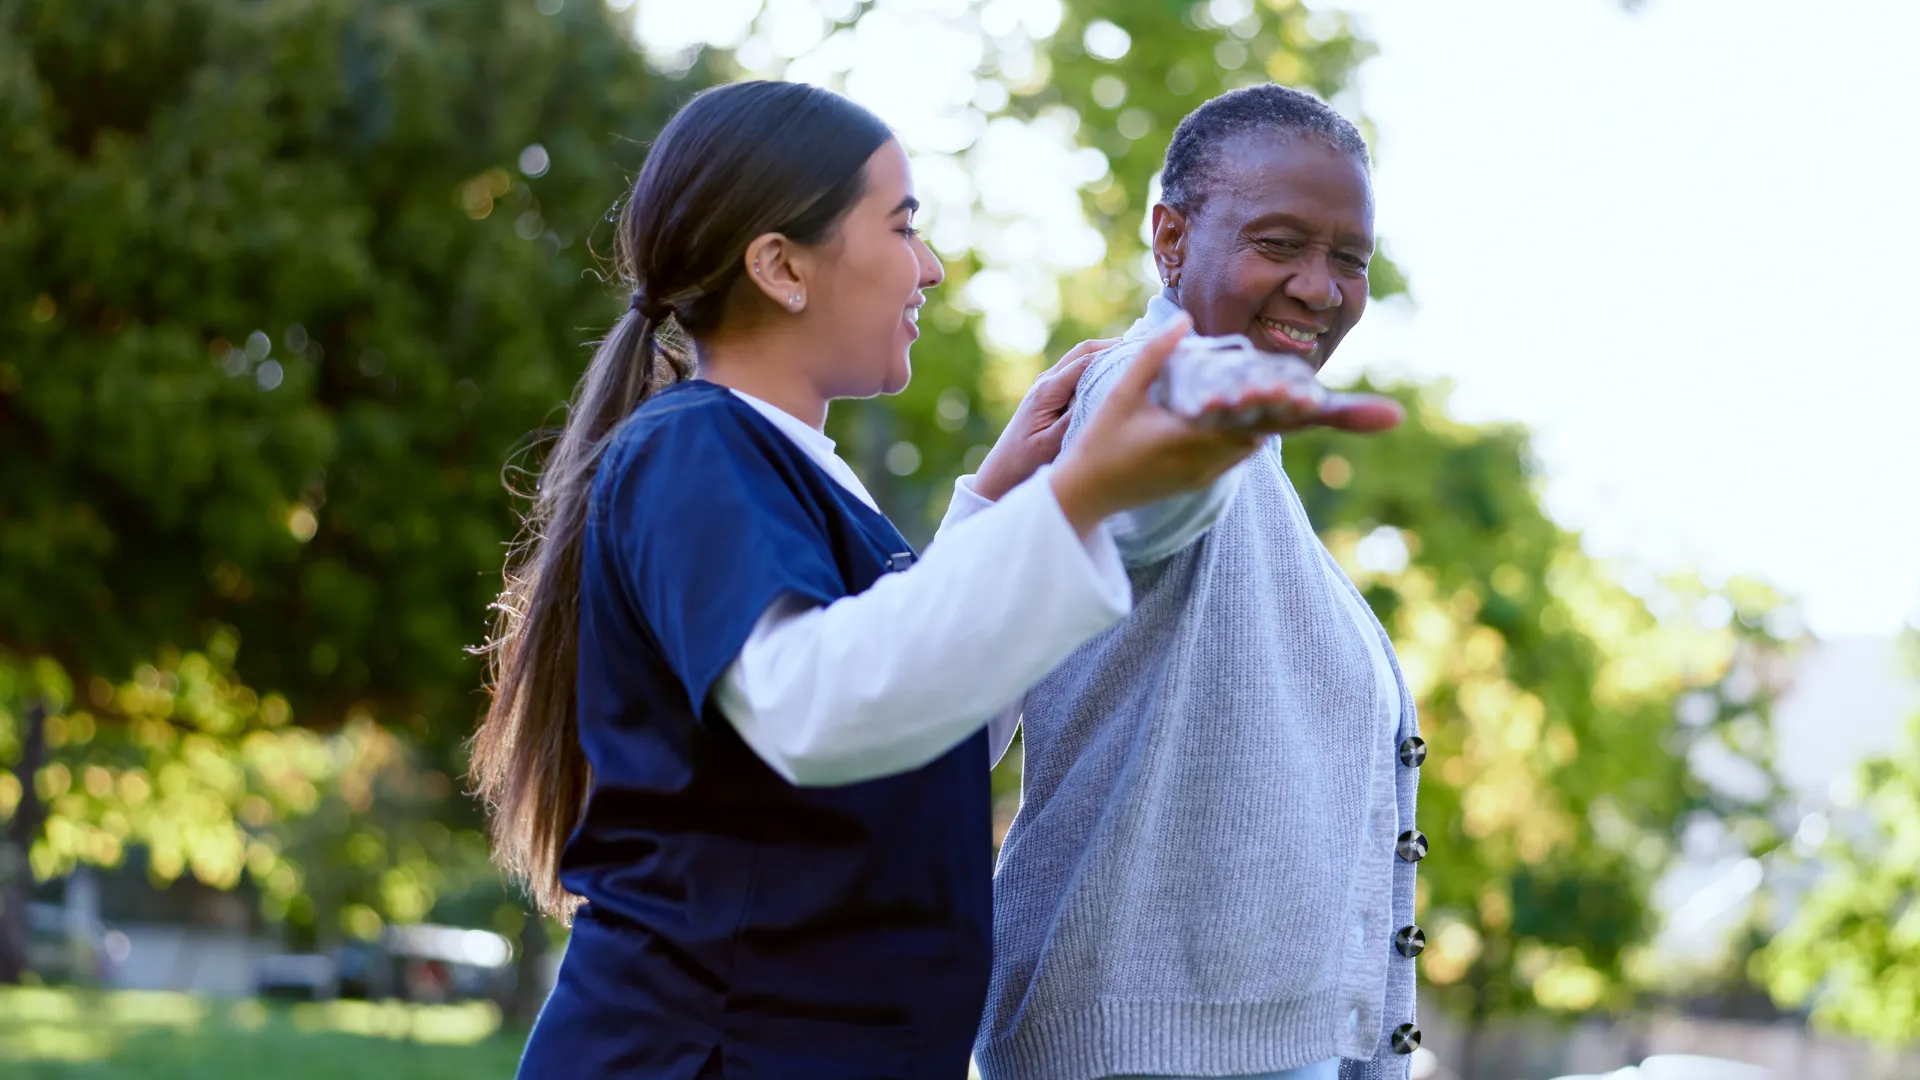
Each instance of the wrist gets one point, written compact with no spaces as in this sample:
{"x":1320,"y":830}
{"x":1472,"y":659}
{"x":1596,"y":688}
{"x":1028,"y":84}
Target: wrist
{"x":995,"y":478}
{"x":1079,"y":497}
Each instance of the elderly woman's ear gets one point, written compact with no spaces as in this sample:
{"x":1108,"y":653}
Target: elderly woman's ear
{"x":1169,"y":242}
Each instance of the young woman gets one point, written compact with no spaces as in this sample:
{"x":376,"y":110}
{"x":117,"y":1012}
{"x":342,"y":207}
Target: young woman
{"x":739,"y":730}
{"x":1212,"y":871}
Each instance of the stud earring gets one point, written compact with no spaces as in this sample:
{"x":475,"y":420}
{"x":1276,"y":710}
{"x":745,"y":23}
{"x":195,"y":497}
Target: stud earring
{"x":794,"y":300}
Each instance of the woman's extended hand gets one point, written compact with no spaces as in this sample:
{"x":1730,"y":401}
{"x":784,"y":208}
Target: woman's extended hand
{"x":1134,"y":452}
{"x":1032,"y":438}
{"x":1284,"y":395}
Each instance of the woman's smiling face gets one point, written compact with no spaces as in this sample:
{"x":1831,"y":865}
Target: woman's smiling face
{"x":1278,"y":247}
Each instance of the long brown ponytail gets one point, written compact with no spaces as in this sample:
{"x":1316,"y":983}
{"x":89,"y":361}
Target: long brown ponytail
{"x":736,"y":163}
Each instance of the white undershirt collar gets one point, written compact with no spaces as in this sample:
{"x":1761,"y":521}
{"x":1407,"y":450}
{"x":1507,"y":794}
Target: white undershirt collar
{"x":812,"y":442}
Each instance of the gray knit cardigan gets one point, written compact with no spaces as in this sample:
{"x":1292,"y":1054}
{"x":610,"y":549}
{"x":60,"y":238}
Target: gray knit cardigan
{"x":1212,"y":869}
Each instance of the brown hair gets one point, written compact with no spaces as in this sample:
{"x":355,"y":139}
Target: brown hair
{"x":737,"y":162}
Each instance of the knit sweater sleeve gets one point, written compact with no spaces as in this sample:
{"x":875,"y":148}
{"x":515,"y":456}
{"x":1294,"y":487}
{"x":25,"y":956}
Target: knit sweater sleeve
{"x":1158,"y":531}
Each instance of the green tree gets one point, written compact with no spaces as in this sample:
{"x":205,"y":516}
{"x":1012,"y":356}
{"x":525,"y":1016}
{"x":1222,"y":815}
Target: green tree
{"x":1851,"y":951}
{"x":281,"y":284}
{"x":1129,"y":90}
{"x":1167,"y":59}
{"x":1559,"y":773}
{"x":1561,"y":714}
{"x":1549,"y":691}
{"x":908,"y":449}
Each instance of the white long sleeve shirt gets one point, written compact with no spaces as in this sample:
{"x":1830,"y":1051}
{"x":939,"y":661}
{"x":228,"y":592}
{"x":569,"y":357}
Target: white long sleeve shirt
{"x":890,"y":679}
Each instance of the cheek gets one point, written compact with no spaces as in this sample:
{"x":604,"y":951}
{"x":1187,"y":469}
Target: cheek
{"x":1244,"y":284}
{"x":1356,"y":304}
{"x":887,"y":275}
{"x":1257,"y":277}
{"x":1214,"y":288}
{"x":908,"y":269}
{"x":1350,"y":312}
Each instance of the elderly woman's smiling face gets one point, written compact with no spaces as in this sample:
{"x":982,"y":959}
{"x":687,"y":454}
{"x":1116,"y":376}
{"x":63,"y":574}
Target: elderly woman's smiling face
{"x":1277,"y":248}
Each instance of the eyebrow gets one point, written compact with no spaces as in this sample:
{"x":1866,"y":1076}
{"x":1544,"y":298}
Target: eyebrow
{"x":1343,"y":237}
{"x":910,"y":204}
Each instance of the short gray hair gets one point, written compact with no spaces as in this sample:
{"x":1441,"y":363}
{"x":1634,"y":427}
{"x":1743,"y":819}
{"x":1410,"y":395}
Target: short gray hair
{"x":1191,"y":167}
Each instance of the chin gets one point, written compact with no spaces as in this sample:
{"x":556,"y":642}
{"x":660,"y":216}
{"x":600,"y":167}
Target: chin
{"x":897,"y":377}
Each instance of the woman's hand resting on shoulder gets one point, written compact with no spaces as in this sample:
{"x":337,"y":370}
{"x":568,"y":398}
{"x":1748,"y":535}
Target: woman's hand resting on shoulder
{"x":1032,"y":438}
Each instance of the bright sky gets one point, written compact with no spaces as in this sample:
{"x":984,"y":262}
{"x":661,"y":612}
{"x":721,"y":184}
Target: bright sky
{"x":1679,"y":244}
{"x":1684,"y":246}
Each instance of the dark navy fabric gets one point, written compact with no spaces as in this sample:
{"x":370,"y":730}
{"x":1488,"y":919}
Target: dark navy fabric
{"x":736,"y":926}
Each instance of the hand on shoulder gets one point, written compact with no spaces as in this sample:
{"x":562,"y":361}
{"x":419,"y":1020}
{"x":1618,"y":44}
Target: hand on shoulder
{"x":1032,"y":438}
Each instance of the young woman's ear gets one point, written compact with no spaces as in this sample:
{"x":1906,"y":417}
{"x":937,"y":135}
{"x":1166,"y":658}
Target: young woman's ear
{"x":772,"y":265}
{"x":1169,"y":242}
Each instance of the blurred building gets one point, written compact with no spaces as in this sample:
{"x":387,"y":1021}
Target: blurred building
{"x":121,"y":930}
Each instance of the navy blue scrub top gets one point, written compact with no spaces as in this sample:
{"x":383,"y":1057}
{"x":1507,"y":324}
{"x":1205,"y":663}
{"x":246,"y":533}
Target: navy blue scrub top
{"x":737,"y":926}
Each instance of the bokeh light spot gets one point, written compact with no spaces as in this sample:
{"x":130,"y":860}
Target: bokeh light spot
{"x":1105,"y":41}
{"x":534,"y":161}
{"x":903,"y":458}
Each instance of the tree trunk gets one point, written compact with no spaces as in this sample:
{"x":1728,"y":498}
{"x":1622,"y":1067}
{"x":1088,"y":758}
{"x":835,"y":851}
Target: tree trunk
{"x":16,"y":874}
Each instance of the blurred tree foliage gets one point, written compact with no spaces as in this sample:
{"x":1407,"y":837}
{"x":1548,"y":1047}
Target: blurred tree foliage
{"x":1565,"y":721}
{"x":1550,"y":693}
{"x":1852,"y":949}
{"x":1127,"y":91}
{"x":281,"y":285}
{"x":1151,"y":63}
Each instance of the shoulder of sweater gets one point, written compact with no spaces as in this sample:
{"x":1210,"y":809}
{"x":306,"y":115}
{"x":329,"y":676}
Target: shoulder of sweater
{"x":1110,"y":362}
{"x":1100,"y":374}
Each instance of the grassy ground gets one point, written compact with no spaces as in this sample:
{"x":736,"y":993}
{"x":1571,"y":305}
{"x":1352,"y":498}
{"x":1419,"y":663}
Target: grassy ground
{"x":48,"y":1034}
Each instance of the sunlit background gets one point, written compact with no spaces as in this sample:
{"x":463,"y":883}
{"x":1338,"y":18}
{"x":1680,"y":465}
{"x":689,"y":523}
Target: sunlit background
{"x":283,"y":288}
{"x":1676,"y":241}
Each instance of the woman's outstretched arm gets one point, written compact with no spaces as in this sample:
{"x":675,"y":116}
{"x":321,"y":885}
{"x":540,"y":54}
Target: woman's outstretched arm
{"x":1147,"y":534}
{"x":890,"y":679}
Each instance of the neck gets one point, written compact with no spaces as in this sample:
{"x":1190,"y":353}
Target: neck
{"x":769,"y":366}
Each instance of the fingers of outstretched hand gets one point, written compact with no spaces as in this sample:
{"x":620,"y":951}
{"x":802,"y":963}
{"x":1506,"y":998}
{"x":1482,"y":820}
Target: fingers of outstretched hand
{"x":1286,"y":394}
{"x":1361,"y":413}
{"x":1282,"y":404}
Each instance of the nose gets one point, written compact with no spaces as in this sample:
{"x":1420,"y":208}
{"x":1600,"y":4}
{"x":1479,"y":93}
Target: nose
{"x":1313,"y":284}
{"x":932,"y":272}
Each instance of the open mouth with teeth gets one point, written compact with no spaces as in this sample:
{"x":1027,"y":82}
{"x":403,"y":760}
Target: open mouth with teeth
{"x":1282,"y":337}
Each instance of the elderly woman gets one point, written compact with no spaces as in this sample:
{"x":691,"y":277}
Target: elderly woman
{"x":1212,"y":870}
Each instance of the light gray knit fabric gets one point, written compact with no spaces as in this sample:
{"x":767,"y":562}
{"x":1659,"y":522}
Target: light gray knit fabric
{"x":1201,"y":880}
